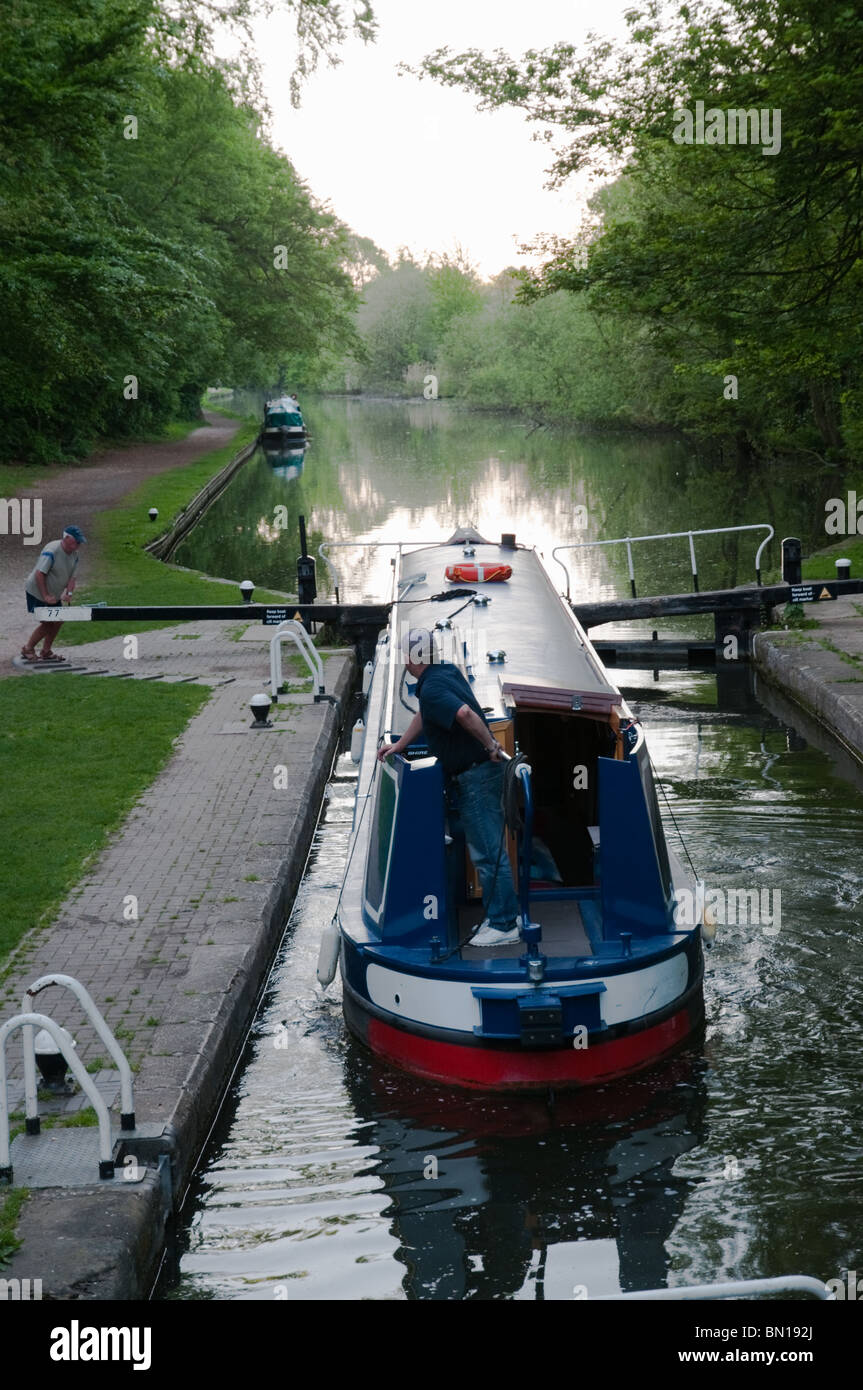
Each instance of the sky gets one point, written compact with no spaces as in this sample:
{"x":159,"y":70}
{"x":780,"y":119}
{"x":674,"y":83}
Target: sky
{"x":412,"y":163}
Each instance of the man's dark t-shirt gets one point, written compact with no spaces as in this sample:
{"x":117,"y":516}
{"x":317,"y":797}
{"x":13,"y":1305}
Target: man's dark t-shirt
{"x":442,"y":690}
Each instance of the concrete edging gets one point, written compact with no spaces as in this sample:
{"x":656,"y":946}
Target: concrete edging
{"x":162,"y":547}
{"x":808,"y":673}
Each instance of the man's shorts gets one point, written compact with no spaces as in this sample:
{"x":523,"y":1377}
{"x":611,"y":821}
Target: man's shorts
{"x":34,"y":603}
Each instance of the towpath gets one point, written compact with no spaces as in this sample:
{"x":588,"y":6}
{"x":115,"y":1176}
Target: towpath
{"x":76,"y":496}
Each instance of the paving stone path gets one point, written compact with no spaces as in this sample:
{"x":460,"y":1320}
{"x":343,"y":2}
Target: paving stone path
{"x":199,"y":852}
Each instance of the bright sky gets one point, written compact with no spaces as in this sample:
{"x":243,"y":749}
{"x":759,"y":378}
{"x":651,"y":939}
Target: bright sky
{"x":412,"y":163}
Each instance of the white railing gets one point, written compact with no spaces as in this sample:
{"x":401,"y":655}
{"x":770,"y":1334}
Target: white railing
{"x":67,"y":1047}
{"x":127,"y":1103}
{"x":295,"y":632}
{"x":629,"y":541}
{"x":366,"y":545}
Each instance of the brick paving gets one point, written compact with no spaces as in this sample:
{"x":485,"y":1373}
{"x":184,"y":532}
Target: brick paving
{"x":200,"y":852}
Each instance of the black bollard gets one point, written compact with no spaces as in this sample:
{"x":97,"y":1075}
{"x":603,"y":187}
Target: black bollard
{"x":792,"y":560}
{"x":307,"y":589}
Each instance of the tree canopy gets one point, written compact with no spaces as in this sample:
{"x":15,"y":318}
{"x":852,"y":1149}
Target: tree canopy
{"x":739,"y":260}
{"x":152,"y":241}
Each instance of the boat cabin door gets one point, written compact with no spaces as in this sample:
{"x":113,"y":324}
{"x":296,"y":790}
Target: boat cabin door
{"x":563,"y":749}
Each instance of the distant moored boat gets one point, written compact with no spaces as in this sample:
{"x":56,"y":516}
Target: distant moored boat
{"x":283,"y":420}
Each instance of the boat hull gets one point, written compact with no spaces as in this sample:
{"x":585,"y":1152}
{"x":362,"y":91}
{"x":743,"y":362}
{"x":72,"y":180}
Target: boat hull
{"x":505,"y":1068}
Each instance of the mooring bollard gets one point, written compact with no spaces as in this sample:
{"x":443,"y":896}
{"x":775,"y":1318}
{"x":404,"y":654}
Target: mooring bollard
{"x":792,"y":560}
{"x":307,"y":589}
{"x":843,"y":569}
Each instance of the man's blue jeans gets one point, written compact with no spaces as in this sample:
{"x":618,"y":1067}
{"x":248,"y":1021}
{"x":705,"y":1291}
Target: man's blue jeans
{"x":478,"y":801}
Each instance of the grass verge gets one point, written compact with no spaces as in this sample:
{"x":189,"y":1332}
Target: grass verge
{"x":76,"y":754}
{"x":822,"y":565}
{"x":11,"y":1203}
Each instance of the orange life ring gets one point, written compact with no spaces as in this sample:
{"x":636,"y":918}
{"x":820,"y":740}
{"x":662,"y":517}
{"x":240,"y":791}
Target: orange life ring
{"x":477,"y":574}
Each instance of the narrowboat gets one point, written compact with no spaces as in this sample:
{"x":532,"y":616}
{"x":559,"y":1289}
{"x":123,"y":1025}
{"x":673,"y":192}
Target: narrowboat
{"x":283,"y":420}
{"x":607,"y":978}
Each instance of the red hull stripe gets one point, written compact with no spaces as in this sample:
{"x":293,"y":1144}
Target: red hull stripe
{"x":491,"y":1069}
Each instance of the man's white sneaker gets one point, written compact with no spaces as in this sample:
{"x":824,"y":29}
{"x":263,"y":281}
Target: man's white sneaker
{"x":489,"y":936}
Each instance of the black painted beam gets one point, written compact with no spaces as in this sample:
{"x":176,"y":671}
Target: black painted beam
{"x":347,"y":615}
{"x":713,"y":600}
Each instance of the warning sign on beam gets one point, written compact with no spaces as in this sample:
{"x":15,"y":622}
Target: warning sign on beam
{"x":810,"y":593}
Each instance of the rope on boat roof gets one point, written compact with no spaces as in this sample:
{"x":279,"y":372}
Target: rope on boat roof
{"x":438,"y":598}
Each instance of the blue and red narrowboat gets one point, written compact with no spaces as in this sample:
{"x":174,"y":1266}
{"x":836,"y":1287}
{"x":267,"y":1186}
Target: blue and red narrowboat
{"x":606,"y":980}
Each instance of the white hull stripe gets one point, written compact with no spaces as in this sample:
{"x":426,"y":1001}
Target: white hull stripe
{"x":451,"y":1003}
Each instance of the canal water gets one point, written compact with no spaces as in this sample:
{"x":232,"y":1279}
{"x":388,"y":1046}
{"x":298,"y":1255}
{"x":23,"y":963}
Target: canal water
{"x":331,"y":1176}
{"x":386,"y":471}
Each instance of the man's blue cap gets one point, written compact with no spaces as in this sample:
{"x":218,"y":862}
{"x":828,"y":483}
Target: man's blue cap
{"x":76,"y":533}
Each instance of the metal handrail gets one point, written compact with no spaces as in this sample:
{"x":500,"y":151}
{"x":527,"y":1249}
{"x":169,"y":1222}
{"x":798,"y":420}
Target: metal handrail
{"x":735,"y":1288}
{"x":367,"y":545}
{"x":297,"y":634}
{"x":523,"y":772}
{"x":629,"y":541}
{"x":85,"y":1081}
{"x":127,"y":1119}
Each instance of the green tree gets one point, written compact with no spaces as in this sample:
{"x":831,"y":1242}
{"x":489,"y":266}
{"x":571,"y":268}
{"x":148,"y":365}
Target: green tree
{"x":151,"y":240}
{"x":737,"y":262}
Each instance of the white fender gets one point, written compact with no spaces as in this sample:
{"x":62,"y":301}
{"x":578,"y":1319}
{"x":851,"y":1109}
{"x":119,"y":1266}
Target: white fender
{"x":357,"y":736}
{"x":367,"y":676}
{"x":328,"y":956}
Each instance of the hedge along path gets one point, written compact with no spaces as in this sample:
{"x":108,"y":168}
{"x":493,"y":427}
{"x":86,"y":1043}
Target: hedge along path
{"x":83,"y":494}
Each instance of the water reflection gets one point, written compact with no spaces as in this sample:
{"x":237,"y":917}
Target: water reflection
{"x":388,"y":471}
{"x":526,"y":1198}
{"x":285,"y":463}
